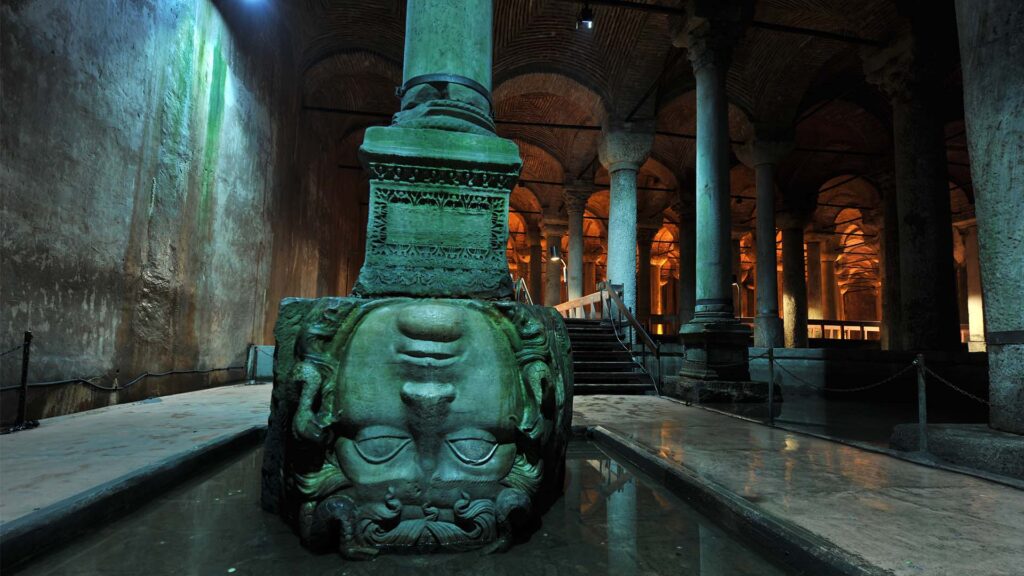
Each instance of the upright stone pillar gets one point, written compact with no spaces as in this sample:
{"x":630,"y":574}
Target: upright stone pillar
{"x":715,"y":362}
{"x":643,"y":272}
{"x":990,"y":34}
{"x":737,"y":286}
{"x":889,"y":255}
{"x":763,"y":155}
{"x":536,"y":262}
{"x":687,"y":268}
{"x":794,"y":283}
{"x":624,"y":148}
{"x":589,"y":274}
{"x":553,"y":233}
{"x":906,"y":73}
{"x":814,"y":287}
{"x":428,"y":411}
{"x":829,"y":289}
{"x":576,"y":195}
{"x":975,"y":308}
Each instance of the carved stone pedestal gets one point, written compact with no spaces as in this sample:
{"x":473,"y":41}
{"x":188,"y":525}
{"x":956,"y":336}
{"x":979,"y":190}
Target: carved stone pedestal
{"x":716,"y":365}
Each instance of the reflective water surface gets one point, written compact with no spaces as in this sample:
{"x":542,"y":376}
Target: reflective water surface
{"x":612,"y":520}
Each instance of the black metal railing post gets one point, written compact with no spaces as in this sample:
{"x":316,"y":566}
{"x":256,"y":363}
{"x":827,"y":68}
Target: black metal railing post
{"x":771,"y":386}
{"x":922,"y":406}
{"x":26,"y":352}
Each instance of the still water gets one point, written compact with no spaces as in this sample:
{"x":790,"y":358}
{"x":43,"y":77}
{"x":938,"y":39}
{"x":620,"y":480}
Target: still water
{"x":612,"y":520}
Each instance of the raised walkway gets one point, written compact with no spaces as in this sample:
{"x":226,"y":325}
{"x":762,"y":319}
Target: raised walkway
{"x":76,"y":470}
{"x":853,"y":511}
{"x":864,"y":512}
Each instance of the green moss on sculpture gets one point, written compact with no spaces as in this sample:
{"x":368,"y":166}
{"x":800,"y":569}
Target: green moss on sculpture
{"x":416,"y":424}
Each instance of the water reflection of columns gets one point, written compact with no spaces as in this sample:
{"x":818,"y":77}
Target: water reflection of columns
{"x":621,"y":522}
{"x":714,"y":553}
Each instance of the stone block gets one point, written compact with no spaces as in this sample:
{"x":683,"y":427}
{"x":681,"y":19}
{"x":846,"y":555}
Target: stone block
{"x":970,"y":445}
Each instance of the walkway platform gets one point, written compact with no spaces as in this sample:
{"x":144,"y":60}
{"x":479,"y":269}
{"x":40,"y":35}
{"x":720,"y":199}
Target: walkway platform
{"x":853,"y":511}
{"x":860,"y":512}
{"x":77,"y":470}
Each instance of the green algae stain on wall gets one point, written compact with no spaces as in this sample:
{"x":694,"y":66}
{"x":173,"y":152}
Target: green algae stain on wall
{"x":214,"y":123}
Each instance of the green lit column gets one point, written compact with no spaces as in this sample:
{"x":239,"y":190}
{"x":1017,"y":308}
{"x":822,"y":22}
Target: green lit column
{"x":576,"y":195}
{"x":623,"y":150}
{"x":715,"y":367}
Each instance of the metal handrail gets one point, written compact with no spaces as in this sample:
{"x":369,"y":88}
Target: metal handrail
{"x":522,"y":291}
{"x":638,"y":331}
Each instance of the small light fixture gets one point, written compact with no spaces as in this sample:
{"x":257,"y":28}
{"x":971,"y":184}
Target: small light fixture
{"x":555,"y":253}
{"x":585,"y":20}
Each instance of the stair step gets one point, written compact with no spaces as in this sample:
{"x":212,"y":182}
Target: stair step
{"x":603,"y":377}
{"x":601,"y":366}
{"x":583,"y":356}
{"x":632,"y":389}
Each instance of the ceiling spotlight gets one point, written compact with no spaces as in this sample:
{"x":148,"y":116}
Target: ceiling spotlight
{"x":585,"y":20}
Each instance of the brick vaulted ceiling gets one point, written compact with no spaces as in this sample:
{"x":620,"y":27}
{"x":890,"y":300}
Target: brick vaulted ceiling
{"x":547,"y":72}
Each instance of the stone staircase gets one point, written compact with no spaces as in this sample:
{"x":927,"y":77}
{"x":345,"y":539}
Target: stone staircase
{"x":601,"y":364}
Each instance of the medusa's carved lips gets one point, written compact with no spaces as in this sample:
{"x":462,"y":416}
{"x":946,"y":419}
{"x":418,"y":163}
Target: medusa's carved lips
{"x":431,"y":335}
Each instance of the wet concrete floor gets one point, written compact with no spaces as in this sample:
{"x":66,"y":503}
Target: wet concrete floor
{"x":612,"y":520}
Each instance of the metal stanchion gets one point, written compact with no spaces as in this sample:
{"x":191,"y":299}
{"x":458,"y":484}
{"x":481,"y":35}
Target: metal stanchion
{"x":771,"y":386}
{"x":26,"y":350}
{"x":922,"y":406}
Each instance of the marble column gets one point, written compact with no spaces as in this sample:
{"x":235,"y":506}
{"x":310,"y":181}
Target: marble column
{"x":814,"y":291}
{"x":643,"y":273}
{"x":687,"y":268}
{"x":589,"y":275}
{"x":829,"y":289}
{"x":575,"y":204}
{"x":553,"y":232}
{"x":737,"y":288}
{"x":624,"y":148}
{"x":794,"y":283}
{"x":906,"y":74}
{"x":990,"y":53}
{"x":975,"y":309}
{"x":889,"y":255}
{"x":536,"y":262}
{"x":715,"y":342}
{"x":763,"y":155}
{"x":657,"y":301}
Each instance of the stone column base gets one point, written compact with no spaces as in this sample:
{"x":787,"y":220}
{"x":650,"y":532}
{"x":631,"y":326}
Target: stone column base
{"x":715,"y":350}
{"x":716,"y":365}
{"x":722,"y":391}
{"x":971,"y":445}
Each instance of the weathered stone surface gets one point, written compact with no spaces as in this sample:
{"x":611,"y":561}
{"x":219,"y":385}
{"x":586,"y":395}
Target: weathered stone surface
{"x":971,"y":445}
{"x":403,"y":424}
{"x":438,"y":219}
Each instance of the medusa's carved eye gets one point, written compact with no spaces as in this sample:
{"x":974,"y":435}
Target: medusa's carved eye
{"x":473,"y":447}
{"x":380,"y":444}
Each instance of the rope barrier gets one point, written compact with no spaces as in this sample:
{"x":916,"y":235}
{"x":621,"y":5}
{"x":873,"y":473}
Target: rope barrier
{"x":91,"y":381}
{"x":957,"y":388}
{"x":15,"y":349}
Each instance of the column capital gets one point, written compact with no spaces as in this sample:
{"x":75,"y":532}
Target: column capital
{"x":576,"y":196}
{"x":625,"y":145}
{"x":708,"y":40}
{"x":899,"y":69}
{"x":533,"y":235}
{"x":788,"y":219}
{"x":645,"y":234}
{"x":758,"y":151}
{"x":555,"y":227}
